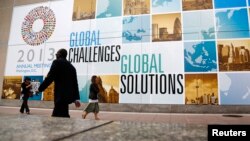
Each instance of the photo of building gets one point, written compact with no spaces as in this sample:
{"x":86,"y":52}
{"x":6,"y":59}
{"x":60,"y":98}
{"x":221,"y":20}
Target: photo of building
{"x":48,"y":94}
{"x":234,"y":55}
{"x":196,"y":4}
{"x":12,"y":87}
{"x":166,"y":27}
{"x":201,"y":89}
{"x":84,"y":9}
{"x":136,"y":7}
{"x":108,"y":88}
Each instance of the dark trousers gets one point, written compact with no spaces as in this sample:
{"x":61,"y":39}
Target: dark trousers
{"x":25,"y":105}
{"x":61,"y":110}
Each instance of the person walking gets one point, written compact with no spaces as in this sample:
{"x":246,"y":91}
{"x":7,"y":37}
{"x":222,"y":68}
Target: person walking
{"x":66,"y":91}
{"x":93,"y":105}
{"x":26,"y":87}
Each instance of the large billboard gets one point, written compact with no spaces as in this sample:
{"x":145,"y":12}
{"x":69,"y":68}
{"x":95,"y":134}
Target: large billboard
{"x":143,"y":51}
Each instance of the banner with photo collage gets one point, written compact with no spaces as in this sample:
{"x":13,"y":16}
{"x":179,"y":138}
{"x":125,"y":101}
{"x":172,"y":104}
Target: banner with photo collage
{"x":143,"y":51}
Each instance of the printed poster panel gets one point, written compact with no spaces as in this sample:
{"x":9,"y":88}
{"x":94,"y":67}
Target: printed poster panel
{"x":234,"y":55}
{"x":142,"y":51}
{"x":228,"y":21}
{"x":137,"y":7}
{"x":229,"y":3}
{"x":48,"y":94}
{"x":163,"y":6}
{"x":109,"y":8}
{"x":166,"y":27}
{"x":35,"y":83}
{"x":196,"y":4}
{"x":145,"y":80}
{"x":202,"y":28}
{"x":108,"y":88}
{"x":201,"y":89}
{"x":200,"y":56}
{"x":12,"y":87}
{"x":231,"y":91}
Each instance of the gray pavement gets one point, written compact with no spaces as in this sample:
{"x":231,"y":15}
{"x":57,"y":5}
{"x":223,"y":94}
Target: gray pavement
{"x":39,"y":126}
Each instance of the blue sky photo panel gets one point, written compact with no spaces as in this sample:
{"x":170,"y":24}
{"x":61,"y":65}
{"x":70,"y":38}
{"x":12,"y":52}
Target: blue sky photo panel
{"x":202,"y":28}
{"x":232,"y":23}
{"x":229,"y":3}
{"x":200,"y":56}
{"x":109,"y":8}
{"x":233,"y":92}
{"x":162,"y":6}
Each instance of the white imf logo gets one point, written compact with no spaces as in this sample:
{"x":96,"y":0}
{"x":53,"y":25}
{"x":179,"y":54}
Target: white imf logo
{"x":38,"y":25}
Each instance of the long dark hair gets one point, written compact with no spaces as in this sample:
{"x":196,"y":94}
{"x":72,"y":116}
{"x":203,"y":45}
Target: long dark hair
{"x":27,"y":79}
{"x":93,"y":79}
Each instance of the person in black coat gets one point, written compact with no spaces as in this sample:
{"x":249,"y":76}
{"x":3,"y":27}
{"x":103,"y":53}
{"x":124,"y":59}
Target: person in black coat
{"x":63,"y":73}
{"x":26,"y":87}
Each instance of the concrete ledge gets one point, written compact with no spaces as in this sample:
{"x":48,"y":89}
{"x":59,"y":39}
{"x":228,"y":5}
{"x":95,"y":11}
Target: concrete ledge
{"x":144,"y":108}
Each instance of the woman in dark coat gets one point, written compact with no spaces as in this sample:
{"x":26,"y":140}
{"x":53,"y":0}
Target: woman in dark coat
{"x":93,"y":105}
{"x":26,"y":86}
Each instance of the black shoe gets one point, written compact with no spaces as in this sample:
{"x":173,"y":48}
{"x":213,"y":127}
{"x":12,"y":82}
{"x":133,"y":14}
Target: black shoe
{"x":21,"y":112}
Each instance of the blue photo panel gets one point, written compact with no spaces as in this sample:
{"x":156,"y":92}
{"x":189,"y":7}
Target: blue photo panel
{"x":200,"y":56}
{"x":231,"y":91}
{"x":109,"y":8}
{"x":202,"y":28}
{"x":232,"y":23}
{"x":163,"y":6}
{"x":136,"y":29}
{"x":35,"y":82}
{"x":229,"y":3}
{"x":83,"y":85}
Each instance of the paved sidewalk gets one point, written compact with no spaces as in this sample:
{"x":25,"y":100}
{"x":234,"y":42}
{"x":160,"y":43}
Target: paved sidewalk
{"x":113,"y":126}
{"x":144,"y":117}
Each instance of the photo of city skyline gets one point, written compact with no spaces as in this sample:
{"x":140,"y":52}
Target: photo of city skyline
{"x":136,"y":7}
{"x":166,"y":27}
{"x":196,"y":4}
{"x":108,"y":88}
{"x":201,"y":89}
{"x":84,"y":10}
{"x":234,"y":55}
